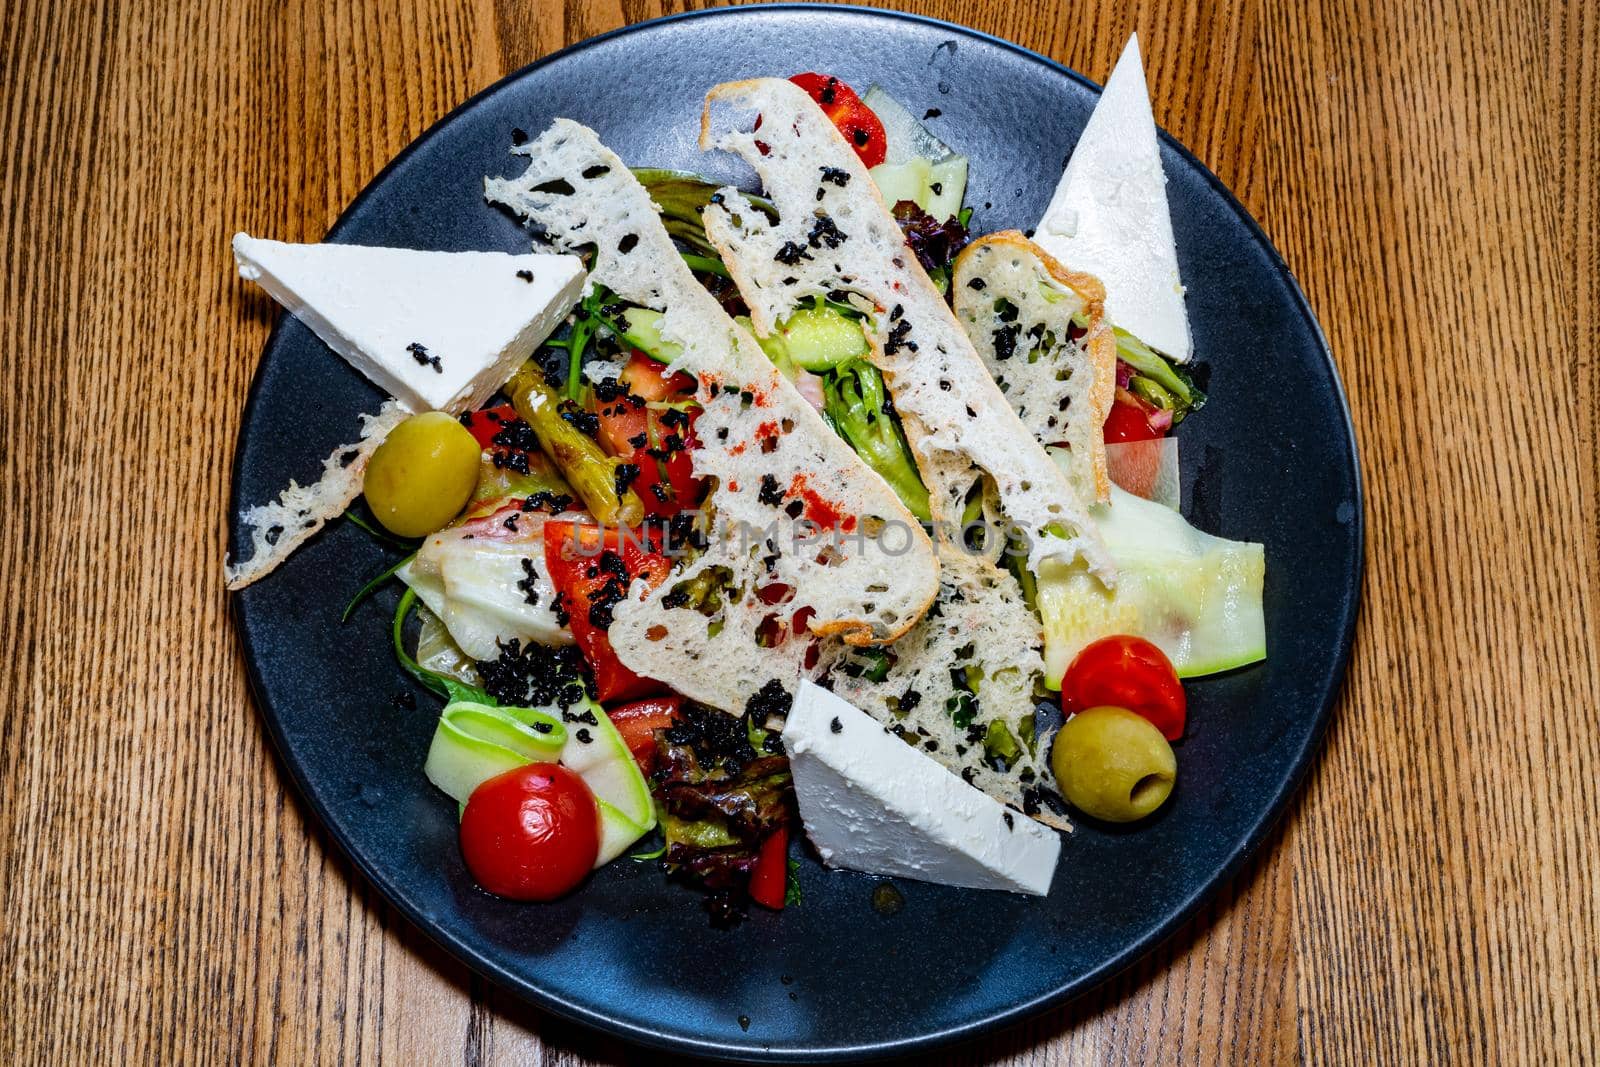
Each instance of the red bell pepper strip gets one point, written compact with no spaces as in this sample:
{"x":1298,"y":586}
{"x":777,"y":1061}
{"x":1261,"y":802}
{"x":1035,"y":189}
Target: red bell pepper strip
{"x":483,"y":425}
{"x":592,"y":569}
{"x":769,"y":881}
{"x":638,"y":723}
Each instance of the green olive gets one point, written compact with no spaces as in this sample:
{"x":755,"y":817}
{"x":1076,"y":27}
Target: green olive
{"x":422,"y":475}
{"x":1112,"y":764}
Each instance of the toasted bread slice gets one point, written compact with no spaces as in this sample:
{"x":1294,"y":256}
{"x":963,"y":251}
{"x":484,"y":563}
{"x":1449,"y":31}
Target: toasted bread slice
{"x":835,"y":232}
{"x":981,"y":622}
{"x":1040,"y":329}
{"x":776,"y":465}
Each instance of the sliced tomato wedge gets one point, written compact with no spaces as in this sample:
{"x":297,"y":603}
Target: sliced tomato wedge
{"x":592,"y":569}
{"x":858,"y":123}
{"x":769,"y":881}
{"x":638,"y":722}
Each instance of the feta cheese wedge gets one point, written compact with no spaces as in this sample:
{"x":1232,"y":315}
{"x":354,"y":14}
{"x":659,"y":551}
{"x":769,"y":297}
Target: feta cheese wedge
{"x":435,"y":330}
{"x":870,"y":802}
{"x":1109,"y":214}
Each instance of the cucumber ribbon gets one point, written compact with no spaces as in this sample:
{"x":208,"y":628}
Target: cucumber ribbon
{"x":474,"y":742}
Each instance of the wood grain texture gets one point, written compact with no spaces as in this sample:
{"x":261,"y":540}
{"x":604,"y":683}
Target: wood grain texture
{"x":1431,"y":172}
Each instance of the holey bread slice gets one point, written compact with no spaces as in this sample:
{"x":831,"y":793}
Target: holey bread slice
{"x":779,"y":472}
{"x":1040,"y":329}
{"x":283,"y":525}
{"x":835,"y":232}
{"x":982,"y":624}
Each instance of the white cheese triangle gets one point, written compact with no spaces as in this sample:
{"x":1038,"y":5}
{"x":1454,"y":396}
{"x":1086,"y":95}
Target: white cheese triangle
{"x":469,"y":311}
{"x":1109,"y":215}
{"x":872,"y":803}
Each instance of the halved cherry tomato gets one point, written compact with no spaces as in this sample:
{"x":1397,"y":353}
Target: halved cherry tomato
{"x":769,"y":881}
{"x":638,"y":723}
{"x":1126,"y":672}
{"x":592,"y":569}
{"x":484,"y":424}
{"x":858,"y":122}
{"x":532,"y":833}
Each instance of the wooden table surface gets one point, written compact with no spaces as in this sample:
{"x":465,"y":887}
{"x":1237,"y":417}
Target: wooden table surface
{"x":1429,"y":171}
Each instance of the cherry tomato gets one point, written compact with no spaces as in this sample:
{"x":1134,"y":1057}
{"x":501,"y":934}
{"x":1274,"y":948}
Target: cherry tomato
{"x":638,"y":723}
{"x":532,"y":833}
{"x":1126,"y":672}
{"x":1129,"y":420}
{"x":858,"y":123}
{"x":769,"y":881}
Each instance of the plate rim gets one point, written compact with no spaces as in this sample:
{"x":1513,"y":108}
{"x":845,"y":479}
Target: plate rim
{"x":1177,"y":918}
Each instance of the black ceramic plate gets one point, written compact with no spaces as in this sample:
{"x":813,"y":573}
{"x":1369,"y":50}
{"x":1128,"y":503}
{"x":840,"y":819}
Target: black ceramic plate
{"x":1270,"y":459}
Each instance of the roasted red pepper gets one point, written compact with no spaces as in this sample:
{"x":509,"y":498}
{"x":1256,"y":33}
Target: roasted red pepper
{"x":592,"y":569}
{"x":484,"y":424}
{"x":858,"y":123}
{"x":638,"y":723}
{"x":769,"y":882}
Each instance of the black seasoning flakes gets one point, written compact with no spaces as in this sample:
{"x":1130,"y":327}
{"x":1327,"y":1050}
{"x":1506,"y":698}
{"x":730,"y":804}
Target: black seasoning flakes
{"x":420,"y":354}
{"x":897,"y":339}
{"x":545,"y":500}
{"x":771,"y":493}
{"x":519,"y":135}
{"x":585,"y":422}
{"x":627,"y":473}
{"x":931,"y":113}
{"x":608,"y":389}
{"x":836,"y":176}
{"x":525,"y":275}
{"x":824,"y":231}
{"x":895,"y":312}
{"x":510,"y":522}
{"x":836,"y":726}
{"x":860,"y":137}
{"x":584,"y":735}
{"x":909,"y":701}
{"x":510,"y":460}
{"x":791,"y":253}
{"x":771,"y":699}
{"x":516,"y":434}
{"x":628,"y":243}
{"x":535,"y":676}
{"x":528,"y":586}
{"x":830,"y":91}
{"x":1010,"y":823}
{"x":977,"y":285}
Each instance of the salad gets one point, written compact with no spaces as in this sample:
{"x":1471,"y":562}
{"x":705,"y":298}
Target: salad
{"x":735,"y":528}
